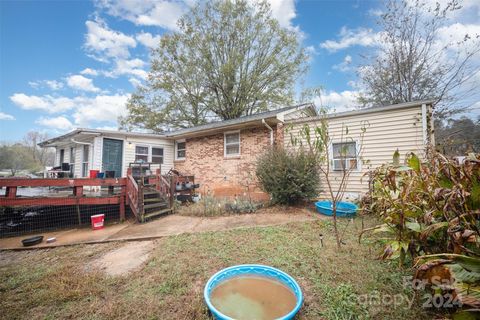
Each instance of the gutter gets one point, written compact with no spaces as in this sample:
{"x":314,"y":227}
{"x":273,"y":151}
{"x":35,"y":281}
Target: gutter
{"x":271,"y":131}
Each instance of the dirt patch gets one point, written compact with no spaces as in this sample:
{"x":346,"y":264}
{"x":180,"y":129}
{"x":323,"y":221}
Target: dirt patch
{"x":120,"y":261}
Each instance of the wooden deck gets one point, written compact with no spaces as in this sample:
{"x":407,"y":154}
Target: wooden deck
{"x":76,"y":195}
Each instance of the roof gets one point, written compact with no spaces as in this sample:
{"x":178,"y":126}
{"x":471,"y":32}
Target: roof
{"x":374,"y":109}
{"x":273,"y":116}
{"x":77,"y":131}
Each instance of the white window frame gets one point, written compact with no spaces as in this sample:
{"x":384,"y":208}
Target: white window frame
{"x":357,"y":156}
{"x":142,"y":154}
{"x":73,"y":151}
{"x":176,"y":149}
{"x":85,"y":162}
{"x":151,"y":154}
{"x":225,"y":144}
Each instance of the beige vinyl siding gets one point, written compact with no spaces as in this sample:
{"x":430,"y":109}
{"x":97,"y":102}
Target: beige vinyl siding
{"x":386,"y":131}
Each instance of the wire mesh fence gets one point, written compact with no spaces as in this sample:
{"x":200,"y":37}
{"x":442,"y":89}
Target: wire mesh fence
{"x":15,"y":221}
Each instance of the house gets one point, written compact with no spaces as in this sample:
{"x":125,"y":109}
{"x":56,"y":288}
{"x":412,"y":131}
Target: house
{"x":222,"y":155}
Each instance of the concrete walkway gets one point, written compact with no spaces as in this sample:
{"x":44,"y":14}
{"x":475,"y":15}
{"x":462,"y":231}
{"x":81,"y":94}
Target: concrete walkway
{"x":165,"y":226}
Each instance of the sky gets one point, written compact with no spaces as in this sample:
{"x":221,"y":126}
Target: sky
{"x":71,"y":64}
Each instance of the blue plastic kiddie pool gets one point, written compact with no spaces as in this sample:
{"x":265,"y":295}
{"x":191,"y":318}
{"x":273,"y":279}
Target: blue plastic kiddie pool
{"x":255,"y":270}
{"x":344,"y":209}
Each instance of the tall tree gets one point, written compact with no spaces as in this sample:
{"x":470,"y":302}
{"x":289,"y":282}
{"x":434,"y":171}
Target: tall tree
{"x":457,"y":137}
{"x":413,"y":64}
{"x":228,"y":59}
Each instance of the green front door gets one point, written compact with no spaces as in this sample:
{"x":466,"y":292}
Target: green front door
{"x":112,"y":156}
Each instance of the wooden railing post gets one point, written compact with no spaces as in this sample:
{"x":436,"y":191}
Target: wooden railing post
{"x":11,"y":192}
{"x":123,"y":195}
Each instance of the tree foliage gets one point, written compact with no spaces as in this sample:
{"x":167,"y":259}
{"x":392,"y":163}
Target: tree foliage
{"x":413,"y":64}
{"x":228,"y":59}
{"x":26,"y":155}
{"x":457,"y":137}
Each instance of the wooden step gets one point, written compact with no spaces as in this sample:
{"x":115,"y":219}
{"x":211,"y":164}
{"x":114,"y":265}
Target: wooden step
{"x":149,"y":192}
{"x":157,"y":199}
{"x":157,"y":213}
{"x":154,"y":205}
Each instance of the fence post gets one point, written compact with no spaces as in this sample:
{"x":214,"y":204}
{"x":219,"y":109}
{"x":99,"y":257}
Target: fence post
{"x":123,"y":194}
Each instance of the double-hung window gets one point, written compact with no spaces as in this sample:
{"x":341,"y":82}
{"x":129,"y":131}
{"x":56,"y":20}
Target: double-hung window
{"x":157,"y":155}
{"x":141,"y":154}
{"x":232,"y":144}
{"x":344,"y":156}
{"x":180,"y":150}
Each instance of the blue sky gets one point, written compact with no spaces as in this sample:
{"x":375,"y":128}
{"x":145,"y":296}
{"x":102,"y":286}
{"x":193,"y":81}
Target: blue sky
{"x":68,"y":64}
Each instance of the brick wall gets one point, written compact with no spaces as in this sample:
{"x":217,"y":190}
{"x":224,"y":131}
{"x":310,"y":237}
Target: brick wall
{"x":221,"y":176}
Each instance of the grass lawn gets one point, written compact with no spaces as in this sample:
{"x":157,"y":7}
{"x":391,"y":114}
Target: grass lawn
{"x":55,"y":283}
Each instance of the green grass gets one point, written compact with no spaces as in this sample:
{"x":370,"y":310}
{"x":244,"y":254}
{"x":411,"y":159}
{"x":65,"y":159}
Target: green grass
{"x":54,"y":284}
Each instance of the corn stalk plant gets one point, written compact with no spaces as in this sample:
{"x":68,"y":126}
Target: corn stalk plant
{"x":315,"y":138}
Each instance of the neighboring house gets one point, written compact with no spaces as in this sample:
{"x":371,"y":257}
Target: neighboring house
{"x":222,"y":155}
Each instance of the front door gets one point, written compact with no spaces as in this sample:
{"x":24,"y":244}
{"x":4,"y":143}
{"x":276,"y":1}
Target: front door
{"x":112,"y":156}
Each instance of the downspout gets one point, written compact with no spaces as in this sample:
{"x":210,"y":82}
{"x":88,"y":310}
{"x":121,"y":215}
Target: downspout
{"x":271,"y":131}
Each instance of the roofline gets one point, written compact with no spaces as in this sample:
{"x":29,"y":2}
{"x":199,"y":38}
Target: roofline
{"x":99,"y":132}
{"x":251,"y":119}
{"x":398,"y":106}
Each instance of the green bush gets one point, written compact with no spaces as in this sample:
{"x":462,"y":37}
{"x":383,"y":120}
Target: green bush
{"x":288,"y":176}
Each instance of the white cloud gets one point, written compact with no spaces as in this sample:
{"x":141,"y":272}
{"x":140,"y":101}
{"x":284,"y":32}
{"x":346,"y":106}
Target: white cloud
{"x":146,"y":12}
{"x":104,"y":43}
{"x":56,"y":123}
{"x":283,"y":11}
{"x":338,"y":101}
{"x":86,"y":110}
{"x":147,"y":39}
{"x":44,"y":103}
{"x":5,"y":116}
{"x":100,"y":108}
{"x":135,"y":82}
{"x":128,"y":67}
{"x":89,"y":72}
{"x":52,"y":84}
{"x":79,"y":82}
{"x":456,"y":33}
{"x":353,"y":37}
{"x":345,"y":65}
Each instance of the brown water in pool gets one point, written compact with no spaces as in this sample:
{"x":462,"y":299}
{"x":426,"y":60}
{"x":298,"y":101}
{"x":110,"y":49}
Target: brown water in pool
{"x":253,"y":297}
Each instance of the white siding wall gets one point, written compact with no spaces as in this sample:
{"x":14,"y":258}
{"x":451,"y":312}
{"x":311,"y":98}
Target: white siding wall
{"x":129,"y":143}
{"x":167,"y":145}
{"x":387,"y":131}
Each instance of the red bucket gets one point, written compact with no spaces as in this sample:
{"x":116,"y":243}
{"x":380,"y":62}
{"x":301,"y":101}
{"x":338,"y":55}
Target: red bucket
{"x":93,"y":173}
{"x":97,"y":221}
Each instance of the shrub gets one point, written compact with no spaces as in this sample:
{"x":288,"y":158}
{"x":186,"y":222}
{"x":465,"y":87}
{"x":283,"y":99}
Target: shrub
{"x":288,"y":176}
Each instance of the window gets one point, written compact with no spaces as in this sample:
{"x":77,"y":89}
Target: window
{"x":141,"y":154}
{"x":72,"y":161}
{"x":85,"y":157}
{"x":232,"y":144}
{"x":344,"y":156}
{"x":157,"y":155}
{"x":62,"y":156}
{"x":181,"y":148}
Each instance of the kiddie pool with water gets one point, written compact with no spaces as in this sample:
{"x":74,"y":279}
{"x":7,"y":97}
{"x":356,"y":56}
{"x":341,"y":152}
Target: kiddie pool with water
{"x":344,"y":209}
{"x":252,"y":270}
